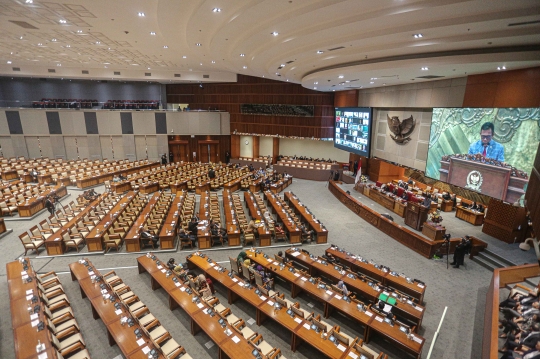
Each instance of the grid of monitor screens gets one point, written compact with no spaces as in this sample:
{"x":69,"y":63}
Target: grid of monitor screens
{"x":352,"y":129}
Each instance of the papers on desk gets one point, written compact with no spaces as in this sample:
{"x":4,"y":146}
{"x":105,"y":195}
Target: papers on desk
{"x":306,"y":325}
{"x":296,"y":275}
{"x":43,"y":356}
{"x":262,"y":297}
{"x":91,"y":273}
{"x":337,"y":296}
{"x":146,"y":350}
{"x":295,"y":254}
{"x":164,"y":270}
{"x":24,"y":272}
{"x":235,"y":280}
{"x":140,"y":342}
{"x":212,"y":264}
{"x":178,"y":284}
{"x":118,"y":311}
{"x":35,"y":322}
{"x":386,"y":293}
{"x":240,"y":284}
{"x":34,"y":316}
{"x":92,"y":277}
{"x":369,"y":314}
{"x":269,"y":261}
{"x":57,"y":239}
{"x":387,"y":308}
{"x":379,"y":319}
{"x":103,"y":291}
{"x":29,"y":291}
{"x":236,"y":339}
{"x":352,"y":355}
{"x":416,"y":339}
{"x":183,"y":289}
{"x":159,"y":266}
{"x":420,"y":309}
{"x":270,"y":303}
{"x":205,"y":311}
{"x":329,"y":292}
{"x":200,"y":305}
{"x":421,"y":286}
{"x":25,"y":276}
{"x":341,"y":347}
{"x":28,"y":297}
{"x":298,"y":320}
{"x":304,"y":278}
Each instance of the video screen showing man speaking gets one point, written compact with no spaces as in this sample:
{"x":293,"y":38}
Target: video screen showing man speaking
{"x":473,"y":147}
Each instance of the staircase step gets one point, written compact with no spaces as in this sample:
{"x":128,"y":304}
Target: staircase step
{"x":499,"y":258}
{"x":496,"y":263}
{"x":484,"y":263}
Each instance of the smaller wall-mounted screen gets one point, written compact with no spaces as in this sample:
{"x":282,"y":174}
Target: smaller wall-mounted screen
{"x":352,"y":129}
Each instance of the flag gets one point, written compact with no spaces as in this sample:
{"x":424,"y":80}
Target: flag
{"x":359,"y":173}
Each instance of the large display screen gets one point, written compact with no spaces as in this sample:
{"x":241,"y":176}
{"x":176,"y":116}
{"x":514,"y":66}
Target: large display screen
{"x":352,"y":130}
{"x":487,"y":150}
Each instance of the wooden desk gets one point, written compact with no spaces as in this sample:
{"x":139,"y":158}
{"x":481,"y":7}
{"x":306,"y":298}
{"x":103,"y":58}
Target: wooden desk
{"x":35,"y":204}
{"x":307,"y":216}
{"x":120,"y":187}
{"x":447,"y":205}
{"x":179,"y":186}
{"x":2,"y":226}
{"x":395,"y":336}
{"x":132,"y":239}
{"x":433,"y":231}
{"x":473,"y":217}
{"x":121,"y":335}
{"x":149,"y":187}
{"x":233,"y":230}
{"x":94,"y":239}
{"x":295,"y":234}
{"x":9,"y":175}
{"x":169,"y":231}
{"x":357,"y":265}
{"x":203,"y":187}
{"x":265,"y":237}
{"x":280,"y":185}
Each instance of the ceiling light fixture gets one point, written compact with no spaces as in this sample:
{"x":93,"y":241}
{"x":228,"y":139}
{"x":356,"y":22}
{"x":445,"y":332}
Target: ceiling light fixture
{"x":62,"y":21}
{"x":275,"y":33}
{"x":316,"y":83}
{"x":198,"y":44}
{"x":371,"y":82}
{"x":68,"y":45}
{"x":314,"y":88}
{"x":244,"y":67}
{"x":9,"y":62}
{"x":58,"y":64}
{"x":213,"y":62}
{"x":165,"y":47}
{"x":40,"y":44}
{"x":320,"y":52}
{"x":501,"y":68}
{"x":340,"y":76}
{"x":148,"y":68}
{"x":282,"y":65}
{"x":29,"y":1}
{"x":418,"y":36}
{"x":79,"y":31}
{"x":216,"y":9}
{"x":200,"y":64}
{"x":242,"y":55}
{"x":98,"y":42}
{"x":152,"y":33}
{"x":373,"y":78}
{"x":184,"y":57}
{"x":425,"y":68}
{"x":141,"y":14}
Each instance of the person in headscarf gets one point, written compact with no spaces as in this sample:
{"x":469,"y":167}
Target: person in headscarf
{"x":343,"y":288}
{"x":241,"y":257}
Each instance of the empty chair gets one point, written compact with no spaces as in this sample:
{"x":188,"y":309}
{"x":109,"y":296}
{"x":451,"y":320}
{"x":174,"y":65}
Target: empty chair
{"x":30,"y":244}
{"x":7,"y":208}
{"x":72,"y":240}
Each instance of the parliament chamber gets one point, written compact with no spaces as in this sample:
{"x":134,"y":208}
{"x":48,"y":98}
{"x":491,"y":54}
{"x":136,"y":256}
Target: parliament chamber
{"x":270,"y":179}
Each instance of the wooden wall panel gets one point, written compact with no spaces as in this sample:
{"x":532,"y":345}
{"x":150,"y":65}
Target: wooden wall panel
{"x":235,"y":146}
{"x":518,"y":88}
{"x":346,"y":98}
{"x":229,"y":96}
{"x":223,"y":142}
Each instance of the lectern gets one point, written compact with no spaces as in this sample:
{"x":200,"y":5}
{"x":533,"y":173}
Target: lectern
{"x":415,"y":215}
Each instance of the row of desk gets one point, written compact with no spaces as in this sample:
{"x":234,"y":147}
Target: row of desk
{"x":295,"y":234}
{"x":132,"y":239}
{"x":308,"y":217}
{"x":95,"y":180}
{"x":468,"y":215}
{"x":333,"y":301}
{"x":36,"y":204}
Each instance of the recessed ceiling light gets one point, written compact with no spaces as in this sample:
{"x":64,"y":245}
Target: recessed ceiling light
{"x":277,"y":73}
{"x":287,"y":80}
{"x":341,"y":76}
{"x":198,"y":44}
{"x":152,"y":33}
{"x":148,"y":68}
{"x":316,"y":83}
{"x":314,"y":88}
{"x":347,"y":81}
{"x":384,"y":84}
{"x":200,"y":64}
{"x":165,"y":47}
{"x":79,"y":31}
{"x":134,"y":64}
{"x":242,"y":55}
{"x":282,"y":65}
{"x":213,"y":62}
{"x":501,"y":68}
{"x":29,"y":1}
{"x":275,"y":33}
{"x":244,"y":67}
{"x":9,"y":62}
{"x":40,"y":44}
{"x":62,"y":21}
{"x":216,"y":9}
{"x":53,"y":40}
{"x":374,"y":78}
{"x":320,"y":52}
{"x":141,"y":14}
{"x":425,"y":68}
{"x":418,"y":36}
{"x":58,"y":64}
{"x":105,"y":67}
{"x":106,"y":63}
{"x":334,"y":90}
{"x":371,"y":82}
{"x":184,"y":57}
{"x":68,"y":45}
{"x":98,"y":42}
{"x":20,"y":38}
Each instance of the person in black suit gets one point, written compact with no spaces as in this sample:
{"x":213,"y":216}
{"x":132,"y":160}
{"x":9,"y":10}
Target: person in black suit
{"x":49,"y":204}
{"x":171,"y":157}
{"x":227,"y":157}
{"x":163,"y":159}
{"x":147,"y":236}
{"x":461,"y":249}
{"x":192,"y":227}
{"x":410,"y":181}
{"x":211,"y":173}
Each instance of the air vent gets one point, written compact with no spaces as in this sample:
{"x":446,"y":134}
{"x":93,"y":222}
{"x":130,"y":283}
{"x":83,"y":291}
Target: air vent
{"x":24,"y":24}
{"x":85,"y":72}
{"x":117,"y":73}
{"x":279,"y":68}
{"x":16,"y":68}
{"x":205,"y":76}
{"x":290,"y":62}
{"x":147,"y":74}
{"x":429,"y":77}
{"x":524,"y":23}
{"x":337,"y":48}
{"x":177,"y":75}
{"x":52,"y":70}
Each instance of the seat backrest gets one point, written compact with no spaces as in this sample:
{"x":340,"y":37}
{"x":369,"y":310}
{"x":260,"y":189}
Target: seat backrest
{"x":35,"y":231}
{"x":258,"y":279}
{"x":245,"y":271}
{"x":25,"y":238}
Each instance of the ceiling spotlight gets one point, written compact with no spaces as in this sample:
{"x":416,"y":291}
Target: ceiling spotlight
{"x":418,"y":36}
{"x":213,"y":62}
{"x":68,"y":45}
{"x":501,"y":68}
{"x":148,"y":68}
{"x":198,"y":44}
{"x":347,"y":81}
{"x":242,"y":55}
{"x":58,"y":64}
{"x":200,"y":64}
{"x":165,"y":47}
{"x":29,"y":1}
{"x":316,"y":83}
{"x":275,"y":33}
{"x":216,"y":9}
{"x":53,"y":40}
{"x":152,"y":33}
{"x":244,"y":67}
{"x":320,"y":52}
{"x":425,"y":68}
{"x":282,"y":65}
{"x":287,"y":80}
{"x":9,"y":62}
{"x":277,"y":73}
{"x":141,"y":14}
{"x":184,"y":57}
{"x":40,"y":44}
{"x":371,"y":82}
{"x":98,"y":42}
{"x":314,"y":88}
{"x":62,"y":21}
{"x":79,"y":31}
{"x":340,"y":76}
{"x":374,"y":78}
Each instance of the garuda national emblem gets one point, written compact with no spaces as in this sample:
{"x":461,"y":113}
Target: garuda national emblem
{"x":401,"y":129}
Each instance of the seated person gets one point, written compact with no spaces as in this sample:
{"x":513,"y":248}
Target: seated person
{"x":533,"y":353}
{"x":343,"y":288}
{"x":427,"y":201}
{"x":147,"y":236}
{"x":405,"y":196}
{"x":306,"y":232}
{"x":480,"y":208}
{"x":192,"y":226}
{"x":252,"y":228}
{"x":474,"y":206}
{"x":241,"y":257}
{"x":330,"y":258}
{"x":285,"y":259}
{"x":177,"y":267}
{"x":34,"y":173}
{"x":204,"y":287}
{"x":116,"y":178}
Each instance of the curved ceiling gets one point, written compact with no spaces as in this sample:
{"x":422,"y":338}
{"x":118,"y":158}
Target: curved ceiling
{"x":323,"y":44}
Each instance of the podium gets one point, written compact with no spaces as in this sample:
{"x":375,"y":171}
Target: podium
{"x":489,"y":179}
{"x":415,"y":215}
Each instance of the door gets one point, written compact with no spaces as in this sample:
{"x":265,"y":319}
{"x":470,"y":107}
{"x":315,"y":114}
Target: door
{"x":180,"y":152}
{"x":204,"y":153}
{"x":213,"y":150}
